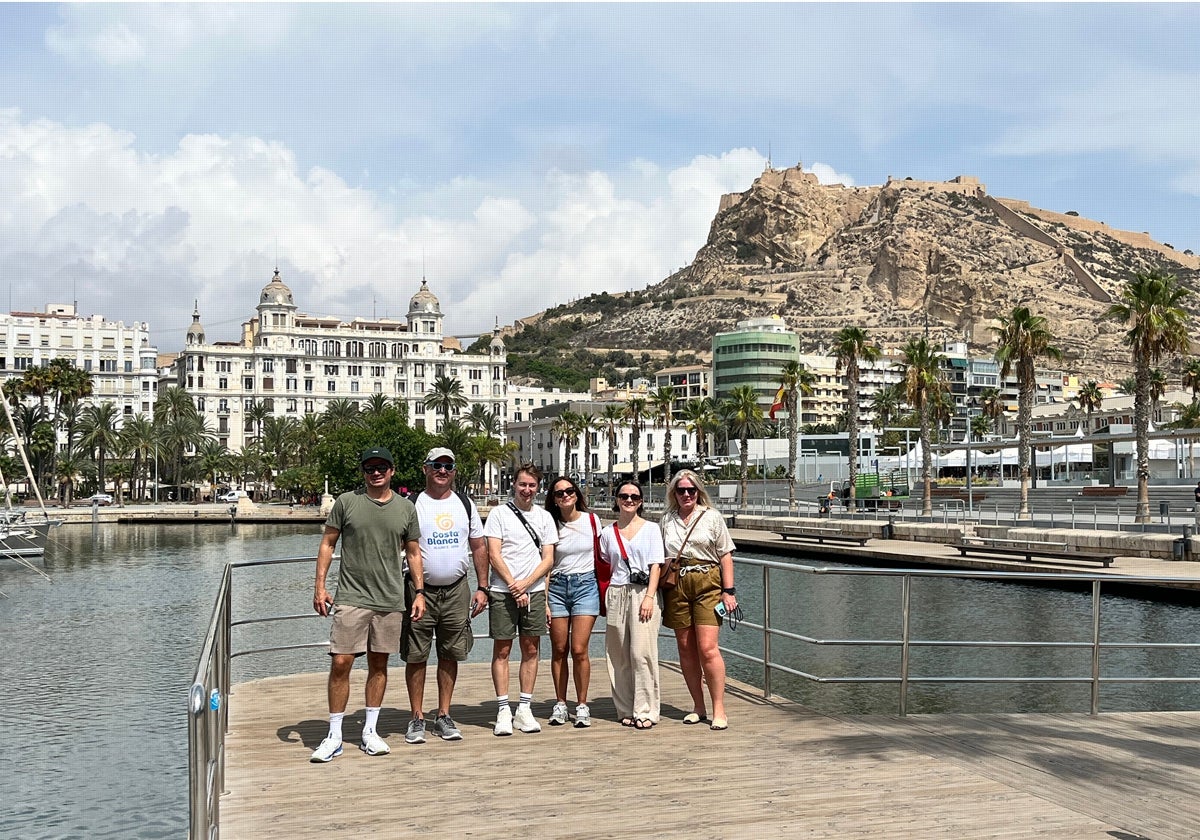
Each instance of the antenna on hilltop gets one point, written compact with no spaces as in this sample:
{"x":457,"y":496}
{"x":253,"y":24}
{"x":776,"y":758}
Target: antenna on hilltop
{"x":769,"y":166}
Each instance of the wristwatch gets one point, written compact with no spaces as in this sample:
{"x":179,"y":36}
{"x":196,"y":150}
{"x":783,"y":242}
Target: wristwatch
{"x":418,"y":591}
{"x":482,"y":589}
{"x":729,"y":590}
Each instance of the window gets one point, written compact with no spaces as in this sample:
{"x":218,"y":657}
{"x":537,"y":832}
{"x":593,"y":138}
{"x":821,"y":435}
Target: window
{"x":354,"y":370}
{"x":248,"y":383}
{"x":222,"y":383}
{"x":248,"y":365}
{"x":475,"y":373}
{"x":268,"y":383}
{"x":223,"y":406}
{"x":331,"y":348}
{"x":308,"y":406}
{"x":291,"y":384}
{"x":224,"y":366}
{"x":377,"y":371}
{"x":354,"y":386}
{"x":129,"y":365}
{"x":355,"y":349}
{"x":110,"y":365}
{"x":308,"y":385}
{"x":333,"y":370}
{"x":290,"y":366}
{"x":291,"y":405}
{"x":418,"y":369}
{"x":331,"y":386}
{"x":268,"y":365}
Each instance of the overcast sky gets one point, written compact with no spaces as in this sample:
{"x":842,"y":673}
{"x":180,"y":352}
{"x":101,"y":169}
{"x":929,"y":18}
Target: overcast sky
{"x":522,"y":156}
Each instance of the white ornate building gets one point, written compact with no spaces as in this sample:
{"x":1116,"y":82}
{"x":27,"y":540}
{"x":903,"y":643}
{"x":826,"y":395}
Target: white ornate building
{"x":119,"y":356}
{"x":297,"y":364}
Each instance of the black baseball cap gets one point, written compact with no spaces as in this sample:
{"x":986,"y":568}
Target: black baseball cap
{"x":379,"y":453}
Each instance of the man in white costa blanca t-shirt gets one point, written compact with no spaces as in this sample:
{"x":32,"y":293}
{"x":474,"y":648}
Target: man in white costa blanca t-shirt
{"x":451,"y":541}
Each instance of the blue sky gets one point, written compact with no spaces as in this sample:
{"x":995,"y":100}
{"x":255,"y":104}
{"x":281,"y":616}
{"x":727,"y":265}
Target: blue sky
{"x":523,"y":155}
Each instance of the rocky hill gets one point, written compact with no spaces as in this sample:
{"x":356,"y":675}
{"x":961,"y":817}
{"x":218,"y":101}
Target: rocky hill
{"x":887,"y":258}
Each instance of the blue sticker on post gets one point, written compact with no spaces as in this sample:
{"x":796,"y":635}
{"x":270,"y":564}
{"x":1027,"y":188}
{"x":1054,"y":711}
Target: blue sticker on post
{"x":214,"y":701}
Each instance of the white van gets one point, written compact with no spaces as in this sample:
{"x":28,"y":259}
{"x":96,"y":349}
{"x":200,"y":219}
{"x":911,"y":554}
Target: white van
{"x":232,"y":496}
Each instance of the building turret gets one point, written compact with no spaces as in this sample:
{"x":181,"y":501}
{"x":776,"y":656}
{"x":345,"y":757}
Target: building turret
{"x":425,"y":312}
{"x":276,"y":308}
{"x":497,"y":346}
{"x":195,"y":333}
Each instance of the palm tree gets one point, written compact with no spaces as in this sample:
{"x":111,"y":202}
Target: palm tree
{"x":1158,"y":388}
{"x":1091,"y":398}
{"x":794,"y":380}
{"x":635,"y":413}
{"x":980,"y":426}
{"x":1151,"y":305}
{"x":141,"y":440}
{"x":565,"y":427}
{"x":256,"y":414}
{"x":279,"y":435}
{"x":340,"y":414}
{"x":213,"y":462}
{"x":67,"y":468}
{"x":446,"y":396}
{"x":992,"y":405}
{"x":1191,"y":376}
{"x":100,"y":434}
{"x":850,"y":346}
{"x":308,"y":435}
{"x":611,"y":418}
{"x":885,"y":405}
{"x":1023,"y":339}
{"x":180,"y":428}
{"x":662,"y":408}
{"x":745,"y":418}
{"x":587,"y":424}
{"x":922,"y":378}
{"x":1128,"y":386}
{"x":1188,"y":417}
{"x":377,"y":405}
{"x":700,"y":418}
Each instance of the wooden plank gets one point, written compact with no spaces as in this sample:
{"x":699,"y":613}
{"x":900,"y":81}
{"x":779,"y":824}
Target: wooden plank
{"x":780,"y":771}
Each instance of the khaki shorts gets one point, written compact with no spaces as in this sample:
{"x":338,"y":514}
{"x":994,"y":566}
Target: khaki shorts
{"x":357,"y":630}
{"x":507,"y":621}
{"x":694,"y":600}
{"x":447,"y":615}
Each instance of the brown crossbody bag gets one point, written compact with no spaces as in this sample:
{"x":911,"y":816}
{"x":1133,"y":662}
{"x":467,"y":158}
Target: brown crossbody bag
{"x":668,"y":579}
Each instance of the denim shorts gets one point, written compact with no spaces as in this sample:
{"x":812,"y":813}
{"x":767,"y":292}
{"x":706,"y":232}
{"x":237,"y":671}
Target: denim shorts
{"x":574,"y":595}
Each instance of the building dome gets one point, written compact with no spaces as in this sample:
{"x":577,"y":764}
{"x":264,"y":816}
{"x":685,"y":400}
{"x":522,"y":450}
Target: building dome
{"x":276,"y":293}
{"x":195,"y":332}
{"x":497,"y":345}
{"x":424,"y":302}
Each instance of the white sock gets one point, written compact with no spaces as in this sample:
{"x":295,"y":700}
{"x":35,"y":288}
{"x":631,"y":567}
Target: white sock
{"x":526,"y":699}
{"x":335,"y":725}
{"x":372,"y":719}
{"x":502,"y":701}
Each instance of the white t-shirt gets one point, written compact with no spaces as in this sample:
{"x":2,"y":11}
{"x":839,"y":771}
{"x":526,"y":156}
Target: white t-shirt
{"x":516,"y":546}
{"x":643,"y":551}
{"x":445,"y":537}
{"x":575,"y":553}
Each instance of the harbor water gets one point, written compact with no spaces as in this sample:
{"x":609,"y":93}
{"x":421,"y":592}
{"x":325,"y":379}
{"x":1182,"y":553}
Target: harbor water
{"x":97,"y":662}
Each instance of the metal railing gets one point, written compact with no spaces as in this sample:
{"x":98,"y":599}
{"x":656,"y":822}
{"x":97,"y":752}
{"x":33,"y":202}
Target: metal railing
{"x":208,"y":711}
{"x":906,"y":642}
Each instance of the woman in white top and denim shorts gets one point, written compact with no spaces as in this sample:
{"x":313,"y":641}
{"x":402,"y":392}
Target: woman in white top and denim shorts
{"x":572,"y":597}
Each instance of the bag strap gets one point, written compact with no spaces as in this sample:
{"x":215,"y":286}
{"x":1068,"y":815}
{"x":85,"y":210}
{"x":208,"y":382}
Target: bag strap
{"x":688,"y":535}
{"x":595,"y":539}
{"x":537,"y":543}
{"x":620,"y":543}
{"x":462,"y":497}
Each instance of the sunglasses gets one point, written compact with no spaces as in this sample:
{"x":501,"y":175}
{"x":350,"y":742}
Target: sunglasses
{"x":686,"y":491}
{"x":376,"y":469}
{"x":629,"y":497}
{"x":562,"y":494}
{"x":440,"y":466}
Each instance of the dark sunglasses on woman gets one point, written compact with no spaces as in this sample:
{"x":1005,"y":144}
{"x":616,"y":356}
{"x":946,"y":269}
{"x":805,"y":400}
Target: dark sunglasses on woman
{"x":629,"y":497}
{"x":562,"y":494}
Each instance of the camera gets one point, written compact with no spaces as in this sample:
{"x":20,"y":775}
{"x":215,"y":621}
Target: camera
{"x":639,"y":578}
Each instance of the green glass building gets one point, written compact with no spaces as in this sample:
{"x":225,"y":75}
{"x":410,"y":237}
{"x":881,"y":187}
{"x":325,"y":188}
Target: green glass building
{"x":753,"y":355}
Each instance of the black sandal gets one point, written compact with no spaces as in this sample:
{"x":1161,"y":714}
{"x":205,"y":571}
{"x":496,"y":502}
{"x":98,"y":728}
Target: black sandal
{"x":643,"y":724}
{"x":627,"y":721}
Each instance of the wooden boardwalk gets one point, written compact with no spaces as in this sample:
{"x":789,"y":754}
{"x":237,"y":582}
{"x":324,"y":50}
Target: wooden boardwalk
{"x":780,"y":771}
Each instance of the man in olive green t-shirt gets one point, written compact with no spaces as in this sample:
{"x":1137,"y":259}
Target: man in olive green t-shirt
{"x":379,"y":530}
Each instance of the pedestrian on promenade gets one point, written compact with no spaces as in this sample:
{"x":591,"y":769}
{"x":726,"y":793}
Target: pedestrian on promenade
{"x":1196,"y":507}
{"x":451,"y":542}
{"x":695,"y":532}
{"x":634,"y":548}
{"x":574,"y":597}
{"x":379,"y":531}
{"x":521,"y":540}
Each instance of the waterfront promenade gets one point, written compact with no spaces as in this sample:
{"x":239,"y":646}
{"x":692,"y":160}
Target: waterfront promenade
{"x":780,"y":771}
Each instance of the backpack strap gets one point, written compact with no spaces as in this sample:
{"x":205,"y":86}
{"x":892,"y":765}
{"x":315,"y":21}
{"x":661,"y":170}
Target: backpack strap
{"x":533,"y":535}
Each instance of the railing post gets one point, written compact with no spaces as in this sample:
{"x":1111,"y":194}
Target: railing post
{"x":905,"y":597}
{"x":1095,"y":705}
{"x":766,"y":588}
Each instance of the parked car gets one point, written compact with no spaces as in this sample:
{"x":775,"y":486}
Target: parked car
{"x":101,"y":499}
{"x":232,"y":496}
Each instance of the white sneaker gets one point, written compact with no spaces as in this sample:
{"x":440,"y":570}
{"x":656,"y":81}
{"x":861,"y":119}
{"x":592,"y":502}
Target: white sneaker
{"x":372,"y":744}
{"x":329,"y":749}
{"x":525,"y":720}
{"x":583,"y":715}
{"x":504,"y":721}
{"x":559,"y":716}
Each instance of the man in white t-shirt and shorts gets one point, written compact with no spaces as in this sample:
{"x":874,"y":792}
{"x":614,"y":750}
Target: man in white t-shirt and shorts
{"x":451,"y":541}
{"x":520,"y":540}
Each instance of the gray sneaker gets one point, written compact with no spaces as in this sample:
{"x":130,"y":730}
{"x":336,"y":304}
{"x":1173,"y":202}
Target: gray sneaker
{"x":416,"y":732}
{"x":583,"y":716}
{"x":559,"y":715}
{"x":444,"y":728}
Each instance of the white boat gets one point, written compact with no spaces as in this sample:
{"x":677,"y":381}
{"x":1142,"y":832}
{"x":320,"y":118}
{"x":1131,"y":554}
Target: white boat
{"x":20,"y":538}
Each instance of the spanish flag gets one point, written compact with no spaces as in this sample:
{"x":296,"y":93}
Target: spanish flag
{"x":778,"y":404}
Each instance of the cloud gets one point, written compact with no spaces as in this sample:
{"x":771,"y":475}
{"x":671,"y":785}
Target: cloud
{"x":137,"y":236}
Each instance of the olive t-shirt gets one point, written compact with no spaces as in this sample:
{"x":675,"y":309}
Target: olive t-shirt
{"x":372,"y":538}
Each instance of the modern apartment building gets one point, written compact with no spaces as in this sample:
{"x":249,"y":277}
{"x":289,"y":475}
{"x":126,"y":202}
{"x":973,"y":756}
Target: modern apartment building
{"x":297,"y":364}
{"x":691,"y":382}
{"x":753,"y":354}
{"x":119,"y":356}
